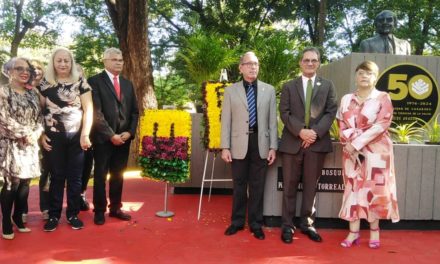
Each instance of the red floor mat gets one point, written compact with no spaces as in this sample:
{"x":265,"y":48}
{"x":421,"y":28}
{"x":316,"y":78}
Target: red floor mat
{"x":183,"y":239}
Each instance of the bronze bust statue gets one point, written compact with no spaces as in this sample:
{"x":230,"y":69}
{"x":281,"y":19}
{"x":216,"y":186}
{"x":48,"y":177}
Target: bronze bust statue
{"x":385,"y":41}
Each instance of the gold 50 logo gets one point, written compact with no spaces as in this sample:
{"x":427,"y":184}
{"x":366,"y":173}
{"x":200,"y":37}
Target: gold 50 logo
{"x":413,"y":91}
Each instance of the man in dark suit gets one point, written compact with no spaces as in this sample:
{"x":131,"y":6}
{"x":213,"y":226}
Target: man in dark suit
{"x":385,"y":41}
{"x":307,"y":108}
{"x":249,"y":143}
{"x":115,"y":121}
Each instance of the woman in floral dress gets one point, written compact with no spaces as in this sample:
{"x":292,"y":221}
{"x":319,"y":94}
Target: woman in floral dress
{"x":20,"y":127}
{"x":368,"y":160}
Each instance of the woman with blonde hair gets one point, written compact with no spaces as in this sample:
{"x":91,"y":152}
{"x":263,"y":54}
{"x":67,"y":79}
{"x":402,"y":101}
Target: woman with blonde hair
{"x":68,"y":116}
{"x":39,"y":72}
{"x":20,"y":128}
{"x":367,"y":160}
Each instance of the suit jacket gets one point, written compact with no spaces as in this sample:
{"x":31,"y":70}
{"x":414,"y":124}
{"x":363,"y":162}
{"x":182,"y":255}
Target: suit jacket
{"x":112,"y":116}
{"x":235,"y":120}
{"x":322,"y":113}
{"x":376,"y":45}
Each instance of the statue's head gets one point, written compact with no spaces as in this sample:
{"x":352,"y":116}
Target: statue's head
{"x":385,"y":22}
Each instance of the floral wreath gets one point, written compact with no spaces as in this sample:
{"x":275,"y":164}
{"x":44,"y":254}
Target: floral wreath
{"x":212,"y":99}
{"x":165,"y":148}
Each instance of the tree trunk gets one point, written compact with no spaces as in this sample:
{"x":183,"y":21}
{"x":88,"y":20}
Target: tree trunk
{"x":17,"y":36}
{"x":321,"y":22}
{"x":309,"y":22}
{"x":130,"y":20}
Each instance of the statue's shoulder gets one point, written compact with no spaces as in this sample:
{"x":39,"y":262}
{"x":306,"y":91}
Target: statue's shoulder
{"x":398,"y":40}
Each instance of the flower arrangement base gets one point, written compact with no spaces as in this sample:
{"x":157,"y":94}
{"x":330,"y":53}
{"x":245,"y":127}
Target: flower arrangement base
{"x":165,"y":212}
{"x":165,"y":149}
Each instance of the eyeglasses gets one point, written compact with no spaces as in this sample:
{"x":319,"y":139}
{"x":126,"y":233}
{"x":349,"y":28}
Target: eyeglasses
{"x":307,"y":61}
{"x":21,"y":69}
{"x":116,"y":60}
{"x":250,"y":64}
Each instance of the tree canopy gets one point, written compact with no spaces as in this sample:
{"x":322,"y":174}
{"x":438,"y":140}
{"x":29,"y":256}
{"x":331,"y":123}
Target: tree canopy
{"x":190,"y":41}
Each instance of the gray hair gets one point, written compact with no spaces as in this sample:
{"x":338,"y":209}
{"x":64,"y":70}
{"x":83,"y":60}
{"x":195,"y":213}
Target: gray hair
{"x":312,"y":49}
{"x":110,"y":51}
{"x":246,"y":54}
{"x":10,"y":64}
{"x":50,"y":73}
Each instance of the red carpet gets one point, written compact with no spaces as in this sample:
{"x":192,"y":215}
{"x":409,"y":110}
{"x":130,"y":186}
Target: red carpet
{"x":183,"y":239}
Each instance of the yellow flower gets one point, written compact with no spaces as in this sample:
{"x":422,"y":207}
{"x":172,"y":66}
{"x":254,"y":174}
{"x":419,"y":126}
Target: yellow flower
{"x":213,"y":101}
{"x":164,"y":120}
{"x":165,"y":123}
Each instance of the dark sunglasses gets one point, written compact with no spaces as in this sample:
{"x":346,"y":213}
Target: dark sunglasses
{"x":21,"y":69}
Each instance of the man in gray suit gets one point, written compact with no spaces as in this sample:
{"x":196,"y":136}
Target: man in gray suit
{"x":249,"y":143}
{"x":307,"y":108}
{"x":385,"y":41}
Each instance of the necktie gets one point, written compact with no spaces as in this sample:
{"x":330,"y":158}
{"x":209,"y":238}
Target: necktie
{"x":251,"y":105}
{"x":385,"y":43}
{"x":388,"y":43}
{"x":308,"y":102}
{"x":117,"y":87}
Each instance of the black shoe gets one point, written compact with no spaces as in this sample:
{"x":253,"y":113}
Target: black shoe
{"x":120,"y":215}
{"x":312,"y":234}
{"x":51,"y":224}
{"x":287,"y":235}
{"x":232,"y":229}
{"x":75,"y":223}
{"x":99,"y":218}
{"x":258,"y":233}
{"x":7,"y":231}
{"x":84,"y":204}
{"x":18,"y":221}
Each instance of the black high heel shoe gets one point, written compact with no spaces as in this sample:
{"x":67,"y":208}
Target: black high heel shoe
{"x":7,"y":232}
{"x":18,"y":221}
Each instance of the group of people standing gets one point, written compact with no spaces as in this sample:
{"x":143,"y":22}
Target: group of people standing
{"x":103,"y":110}
{"x":58,"y":109}
{"x":308,"y":108}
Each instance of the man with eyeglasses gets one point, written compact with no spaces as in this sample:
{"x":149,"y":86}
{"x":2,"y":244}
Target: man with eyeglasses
{"x":385,"y":41}
{"x":249,"y":143}
{"x":307,"y":108}
{"x":115,"y":121}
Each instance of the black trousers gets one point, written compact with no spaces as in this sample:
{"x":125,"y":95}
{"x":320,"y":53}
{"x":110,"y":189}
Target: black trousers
{"x":44,"y":180}
{"x":14,"y":194}
{"x":109,"y":159}
{"x":66,"y":162}
{"x":249,"y":174}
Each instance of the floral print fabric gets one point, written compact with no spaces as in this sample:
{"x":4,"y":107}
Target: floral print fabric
{"x":63,"y":112}
{"x":369,"y":176}
{"x":20,"y":119}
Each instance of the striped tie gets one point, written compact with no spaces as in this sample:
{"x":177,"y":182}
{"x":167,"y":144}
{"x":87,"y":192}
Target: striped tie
{"x":251,"y":104}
